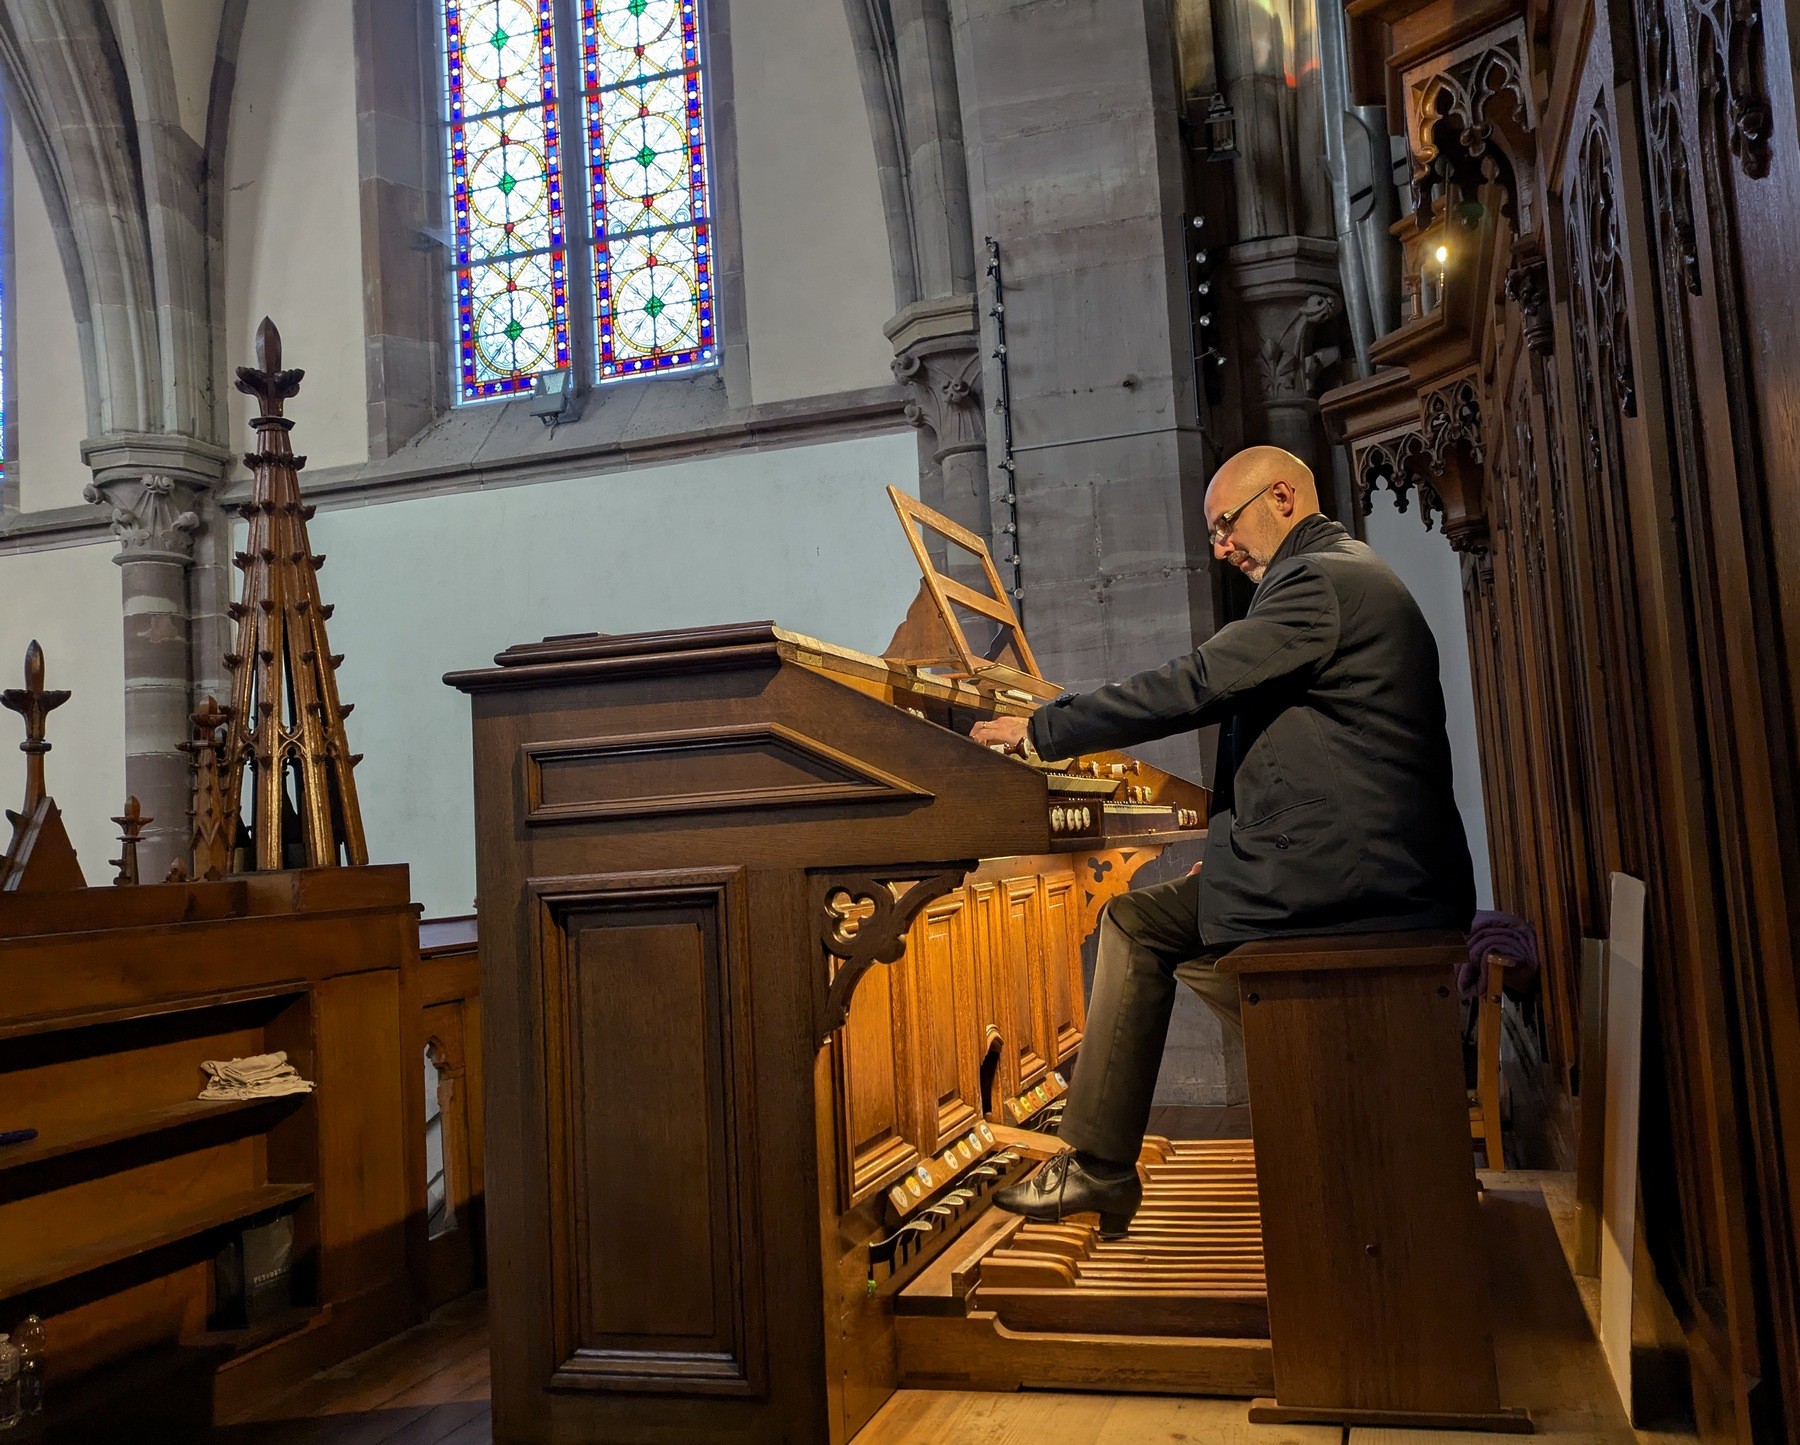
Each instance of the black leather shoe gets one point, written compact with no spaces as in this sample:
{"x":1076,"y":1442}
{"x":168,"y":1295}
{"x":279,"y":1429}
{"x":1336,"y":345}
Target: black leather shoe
{"x":1063,"y":1188}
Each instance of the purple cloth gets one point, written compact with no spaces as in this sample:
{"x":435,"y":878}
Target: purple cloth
{"x":1505,"y":933}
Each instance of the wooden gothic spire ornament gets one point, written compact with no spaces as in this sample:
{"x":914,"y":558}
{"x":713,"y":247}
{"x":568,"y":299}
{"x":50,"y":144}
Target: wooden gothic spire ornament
{"x":215,"y":826}
{"x":285,"y":724}
{"x":40,"y":856}
{"x":131,"y":829}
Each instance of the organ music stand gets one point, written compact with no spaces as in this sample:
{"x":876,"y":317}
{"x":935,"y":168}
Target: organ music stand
{"x":933,"y":636}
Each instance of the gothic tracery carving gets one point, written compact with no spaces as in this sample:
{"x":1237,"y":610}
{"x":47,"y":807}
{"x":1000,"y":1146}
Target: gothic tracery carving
{"x":1453,"y":115}
{"x":1728,"y":57}
{"x":1396,"y":462}
{"x":1599,"y":322}
{"x":1667,"y":144}
{"x":1452,"y":418}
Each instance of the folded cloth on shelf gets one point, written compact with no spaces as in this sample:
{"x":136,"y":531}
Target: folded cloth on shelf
{"x":1503,"y":933}
{"x":261,"y":1076}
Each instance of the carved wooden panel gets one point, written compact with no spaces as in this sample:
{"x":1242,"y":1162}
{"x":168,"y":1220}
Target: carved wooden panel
{"x":946,"y":1028}
{"x":689,"y":770}
{"x":1658,"y":466}
{"x":1023,"y":956}
{"x":648,"y":1065}
{"x":1013,"y":1010}
{"x":871,"y":1061}
{"x":1709,"y":140}
{"x":1066,"y":1010}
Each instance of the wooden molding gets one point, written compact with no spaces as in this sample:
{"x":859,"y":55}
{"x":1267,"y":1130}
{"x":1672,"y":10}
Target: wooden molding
{"x":861,"y":939}
{"x":669,"y":953}
{"x":714,"y":769}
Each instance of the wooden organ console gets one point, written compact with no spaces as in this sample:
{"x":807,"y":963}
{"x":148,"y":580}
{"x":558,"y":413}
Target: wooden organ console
{"x":782,"y":978}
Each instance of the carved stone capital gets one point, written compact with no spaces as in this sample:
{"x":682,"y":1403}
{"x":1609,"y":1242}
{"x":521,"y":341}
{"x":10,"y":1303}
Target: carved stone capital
{"x":155,"y":517}
{"x":1286,"y":367}
{"x":1288,"y":287}
{"x":937,"y":356}
{"x":155,"y":487}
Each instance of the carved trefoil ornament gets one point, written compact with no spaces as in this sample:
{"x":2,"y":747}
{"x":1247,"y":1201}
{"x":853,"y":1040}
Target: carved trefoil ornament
{"x":1395,"y":461}
{"x":1441,"y":458}
{"x":1452,"y":418}
{"x":863,"y":921}
{"x":1598,"y":315}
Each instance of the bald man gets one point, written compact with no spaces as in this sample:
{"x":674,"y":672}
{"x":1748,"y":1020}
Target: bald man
{"x":1332,"y":804}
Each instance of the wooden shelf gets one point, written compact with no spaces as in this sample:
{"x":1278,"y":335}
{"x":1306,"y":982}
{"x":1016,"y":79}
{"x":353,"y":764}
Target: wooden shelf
{"x":54,"y":1143}
{"x":156,"y":1008}
{"x":38,"y":1273}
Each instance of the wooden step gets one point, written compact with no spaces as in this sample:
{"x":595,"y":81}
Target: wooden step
{"x":979,"y":1352}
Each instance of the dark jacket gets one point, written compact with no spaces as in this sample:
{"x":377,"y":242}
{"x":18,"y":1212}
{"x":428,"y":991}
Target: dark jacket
{"x":1333,"y":810}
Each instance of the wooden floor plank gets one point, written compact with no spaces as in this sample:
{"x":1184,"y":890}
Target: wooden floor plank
{"x":953,"y":1417}
{"x":429,"y":1386}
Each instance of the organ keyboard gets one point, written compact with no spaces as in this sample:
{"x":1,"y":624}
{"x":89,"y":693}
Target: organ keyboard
{"x":778,"y":968}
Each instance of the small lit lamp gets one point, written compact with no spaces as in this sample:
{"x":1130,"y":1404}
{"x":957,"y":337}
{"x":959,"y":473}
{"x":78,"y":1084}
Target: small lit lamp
{"x":1434,"y":278}
{"x":554,"y":398}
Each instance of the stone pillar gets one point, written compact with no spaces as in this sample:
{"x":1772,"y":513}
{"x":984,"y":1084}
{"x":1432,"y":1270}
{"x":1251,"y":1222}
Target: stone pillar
{"x":1076,"y":168}
{"x":1288,"y":292}
{"x":158,"y":490}
{"x":937,"y":355}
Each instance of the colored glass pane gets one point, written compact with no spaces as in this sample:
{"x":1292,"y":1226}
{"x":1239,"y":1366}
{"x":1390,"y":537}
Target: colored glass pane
{"x":5,"y":325}
{"x":642,"y":102}
{"x":506,"y":187}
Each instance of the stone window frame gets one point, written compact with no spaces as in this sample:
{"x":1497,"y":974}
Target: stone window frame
{"x":408,"y":291}
{"x":10,"y":491}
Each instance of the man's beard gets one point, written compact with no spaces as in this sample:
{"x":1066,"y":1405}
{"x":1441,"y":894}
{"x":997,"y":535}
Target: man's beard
{"x":1256,"y":568}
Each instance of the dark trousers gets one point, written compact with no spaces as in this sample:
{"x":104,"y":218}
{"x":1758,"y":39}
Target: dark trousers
{"x":1148,"y":939}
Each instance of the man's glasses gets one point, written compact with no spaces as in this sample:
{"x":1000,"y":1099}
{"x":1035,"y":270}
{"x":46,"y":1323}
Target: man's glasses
{"x":1221,"y":529}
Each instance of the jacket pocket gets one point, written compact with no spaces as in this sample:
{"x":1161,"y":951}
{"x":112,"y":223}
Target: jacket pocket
{"x":1269,"y":815}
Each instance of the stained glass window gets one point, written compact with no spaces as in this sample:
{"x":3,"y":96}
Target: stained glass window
{"x":642,"y":116}
{"x":506,"y":193}
{"x":646,"y":137}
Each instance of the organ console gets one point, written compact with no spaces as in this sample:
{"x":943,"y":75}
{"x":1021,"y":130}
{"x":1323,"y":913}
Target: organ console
{"x":782,"y":977}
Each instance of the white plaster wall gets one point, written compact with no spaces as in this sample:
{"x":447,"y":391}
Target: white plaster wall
{"x":804,"y":535}
{"x":45,"y":353}
{"x":1428,"y":566}
{"x":293,"y":229}
{"x":193,"y":30}
{"x":68,"y":599}
{"x":818,"y":281}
